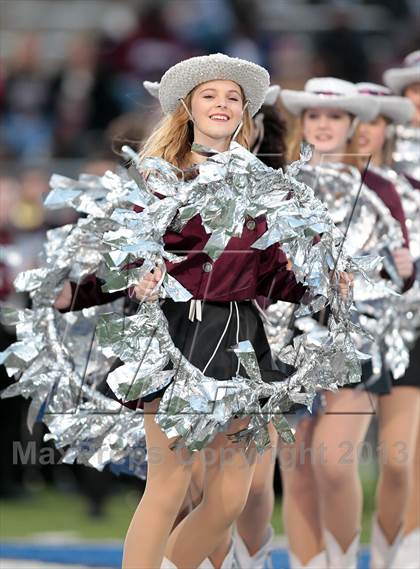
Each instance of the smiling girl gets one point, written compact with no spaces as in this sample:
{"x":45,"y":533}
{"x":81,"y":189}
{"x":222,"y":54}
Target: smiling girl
{"x":322,"y":494}
{"x":208,"y":101}
{"x":252,"y":540}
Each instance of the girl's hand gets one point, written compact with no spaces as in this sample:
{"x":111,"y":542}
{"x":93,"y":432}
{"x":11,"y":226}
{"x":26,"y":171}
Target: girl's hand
{"x":344,"y":284}
{"x":142,"y":291}
{"x":63,"y":300}
{"x":403,"y":262}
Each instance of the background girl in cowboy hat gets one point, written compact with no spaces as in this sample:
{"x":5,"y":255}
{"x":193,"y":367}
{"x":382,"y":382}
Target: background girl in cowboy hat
{"x":322,"y":496}
{"x":405,"y":81}
{"x":399,"y":411}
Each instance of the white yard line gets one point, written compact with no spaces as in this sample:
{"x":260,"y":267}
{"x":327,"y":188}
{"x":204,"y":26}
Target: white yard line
{"x":25,"y":564}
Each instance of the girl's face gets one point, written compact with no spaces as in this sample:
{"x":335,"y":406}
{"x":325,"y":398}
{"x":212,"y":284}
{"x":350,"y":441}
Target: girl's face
{"x":372,"y":136}
{"x":216,"y":107}
{"x":413,"y":93}
{"x":327,"y":130}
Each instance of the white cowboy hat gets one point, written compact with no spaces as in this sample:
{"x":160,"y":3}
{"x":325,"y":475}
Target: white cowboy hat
{"x":399,"y":110}
{"x":180,"y":79}
{"x":330,"y":93}
{"x":397,"y":79}
{"x":271,"y":96}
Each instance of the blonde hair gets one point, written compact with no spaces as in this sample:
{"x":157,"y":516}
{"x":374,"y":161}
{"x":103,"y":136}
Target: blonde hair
{"x":296,"y":138}
{"x":389,"y":144}
{"x":387,"y":148}
{"x":174,"y":135}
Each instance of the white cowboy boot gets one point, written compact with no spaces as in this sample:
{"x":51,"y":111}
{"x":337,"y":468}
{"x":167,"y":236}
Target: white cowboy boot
{"x":382,"y":553}
{"x":259,"y":559}
{"x":317,"y":562}
{"x":408,"y":554}
{"x":229,"y":561}
{"x":337,"y":558}
{"x":166,"y":564}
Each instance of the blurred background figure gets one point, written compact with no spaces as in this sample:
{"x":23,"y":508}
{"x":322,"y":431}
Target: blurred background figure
{"x":81,"y":99}
{"x":340,"y":50}
{"x":26,"y":119}
{"x":145,"y":54}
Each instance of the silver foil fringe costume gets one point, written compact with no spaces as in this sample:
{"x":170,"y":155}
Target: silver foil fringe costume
{"x":57,"y":356}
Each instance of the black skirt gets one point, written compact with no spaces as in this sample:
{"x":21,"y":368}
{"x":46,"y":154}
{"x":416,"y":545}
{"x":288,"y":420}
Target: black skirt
{"x":208,"y":344}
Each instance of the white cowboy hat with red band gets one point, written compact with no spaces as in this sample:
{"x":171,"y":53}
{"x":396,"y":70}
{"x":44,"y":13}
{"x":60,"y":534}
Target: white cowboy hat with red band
{"x":399,"y":110}
{"x":271,"y":96}
{"x":330,"y":93}
{"x":183,"y":77}
{"x":397,"y":79}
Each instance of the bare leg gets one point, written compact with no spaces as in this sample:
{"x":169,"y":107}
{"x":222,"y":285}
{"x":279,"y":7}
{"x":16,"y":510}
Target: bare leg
{"x":412,"y":517}
{"x":196,"y":491}
{"x":194,"y":497}
{"x":399,"y":420}
{"x":222,"y":549}
{"x":340,"y":431}
{"x":194,"y":494}
{"x":168,"y":478}
{"x":253,"y":522}
{"x":408,"y":551}
{"x":228,"y":475}
{"x":300,"y":495}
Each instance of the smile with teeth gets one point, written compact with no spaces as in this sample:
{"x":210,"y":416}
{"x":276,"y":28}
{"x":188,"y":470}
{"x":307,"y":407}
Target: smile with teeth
{"x":217,"y":117}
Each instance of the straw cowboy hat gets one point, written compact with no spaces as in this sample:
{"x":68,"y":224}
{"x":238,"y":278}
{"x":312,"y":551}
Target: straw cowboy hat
{"x":180,"y":79}
{"x":399,"y":110}
{"x":330,"y":93}
{"x":397,"y":79}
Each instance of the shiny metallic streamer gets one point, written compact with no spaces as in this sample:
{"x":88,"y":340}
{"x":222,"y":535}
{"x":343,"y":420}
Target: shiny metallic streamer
{"x":229,"y":187}
{"x":371,"y":231}
{"x":407,"y":150}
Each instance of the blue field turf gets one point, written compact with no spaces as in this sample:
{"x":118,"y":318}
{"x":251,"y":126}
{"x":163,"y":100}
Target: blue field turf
{"x":103,"y":555}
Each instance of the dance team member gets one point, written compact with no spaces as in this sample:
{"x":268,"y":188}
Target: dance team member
{"x":322,"y":495}
{"x":252,"y":540}
{"x":405,"y":81}
{"x":398,"y":411}
{"x":207,"y":100}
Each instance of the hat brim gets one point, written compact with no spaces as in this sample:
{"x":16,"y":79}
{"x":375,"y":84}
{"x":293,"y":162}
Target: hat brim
{"x":272,"y":95}
{"x":152,"y":87}
{"x":399,"y":110}
{"x":298,"y":101}
{"x":398,"y":79}
{"x":183,"y":77}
